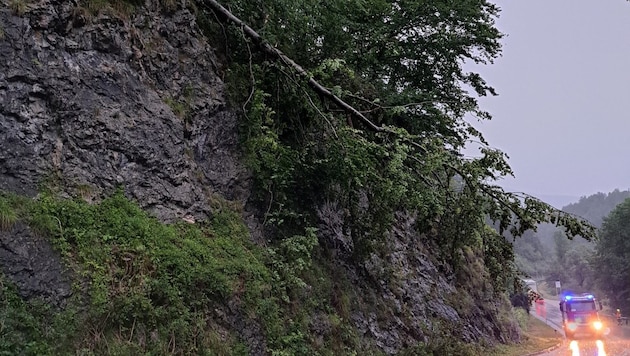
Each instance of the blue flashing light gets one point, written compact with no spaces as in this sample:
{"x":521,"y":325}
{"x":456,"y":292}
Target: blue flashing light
{"x":590,"y":296}
{"x":568,"y":297}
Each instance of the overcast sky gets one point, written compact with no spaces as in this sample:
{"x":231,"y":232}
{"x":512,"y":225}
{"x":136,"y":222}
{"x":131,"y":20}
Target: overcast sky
{"x":563,"y":110}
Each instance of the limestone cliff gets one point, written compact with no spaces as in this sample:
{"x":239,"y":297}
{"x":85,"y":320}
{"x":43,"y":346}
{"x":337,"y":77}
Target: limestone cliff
{"x":96,"y":101}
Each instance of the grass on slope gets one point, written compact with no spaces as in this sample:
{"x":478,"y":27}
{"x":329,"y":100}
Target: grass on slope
{"x":537,"y":336}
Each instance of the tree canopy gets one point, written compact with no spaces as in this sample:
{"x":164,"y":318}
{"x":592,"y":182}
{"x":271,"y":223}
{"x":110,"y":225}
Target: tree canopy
{"x":365,"y":102}
{"x":612,"y":259}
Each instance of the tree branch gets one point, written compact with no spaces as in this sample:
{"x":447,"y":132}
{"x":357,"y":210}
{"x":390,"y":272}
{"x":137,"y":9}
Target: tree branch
{"x":270,"y":50}
{"x":276,"y":53}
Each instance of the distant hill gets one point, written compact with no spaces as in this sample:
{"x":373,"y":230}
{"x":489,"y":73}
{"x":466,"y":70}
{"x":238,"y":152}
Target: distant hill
{"x":536,"y":251}
{"x":597,"y":206}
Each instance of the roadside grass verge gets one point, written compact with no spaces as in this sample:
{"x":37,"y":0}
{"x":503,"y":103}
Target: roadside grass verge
{"x":537,"y":336}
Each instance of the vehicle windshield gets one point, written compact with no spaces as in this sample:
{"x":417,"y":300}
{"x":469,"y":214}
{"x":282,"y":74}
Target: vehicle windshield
{"x":582,"y":306}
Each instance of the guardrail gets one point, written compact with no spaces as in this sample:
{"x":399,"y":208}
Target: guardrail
{"x":557,"y":326}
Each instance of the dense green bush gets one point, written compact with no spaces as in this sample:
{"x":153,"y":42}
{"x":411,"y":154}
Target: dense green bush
{"x":32,"y":328}
{"x":144,"y":287}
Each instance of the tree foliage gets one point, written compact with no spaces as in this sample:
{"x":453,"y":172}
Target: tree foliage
{"x":532,"y":258}
{"x":364,"y":102}
{"x":612,"y":259}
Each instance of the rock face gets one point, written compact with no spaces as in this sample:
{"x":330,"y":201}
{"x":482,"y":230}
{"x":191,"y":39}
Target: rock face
{"x":29,"y":261}
{"x":415,"y":294}
{"x":92,"y":102}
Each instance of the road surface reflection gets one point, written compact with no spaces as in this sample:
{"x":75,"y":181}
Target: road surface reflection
{"x":575,"y":347}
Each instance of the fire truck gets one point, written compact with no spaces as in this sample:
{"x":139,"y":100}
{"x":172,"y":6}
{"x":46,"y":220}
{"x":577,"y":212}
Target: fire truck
{"x":580,"y":315}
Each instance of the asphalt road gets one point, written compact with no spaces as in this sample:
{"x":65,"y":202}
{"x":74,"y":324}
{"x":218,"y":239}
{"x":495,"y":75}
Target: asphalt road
{"x":616,"y":342}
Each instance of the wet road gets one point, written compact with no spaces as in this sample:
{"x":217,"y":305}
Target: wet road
{"x":616,"y":342}
{"x":608,"y":346}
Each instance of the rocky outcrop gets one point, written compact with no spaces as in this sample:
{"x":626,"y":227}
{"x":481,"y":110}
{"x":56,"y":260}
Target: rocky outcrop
{"x":418,"y":297}
{"x":30,"y":262}
{"x":92,"y":102}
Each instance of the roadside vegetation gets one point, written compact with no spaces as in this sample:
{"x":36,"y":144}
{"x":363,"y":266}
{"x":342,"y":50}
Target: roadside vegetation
{"x":537,"y":336}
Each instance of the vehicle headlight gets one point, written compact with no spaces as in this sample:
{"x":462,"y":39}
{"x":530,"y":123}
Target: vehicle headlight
{"x":598,"y":325}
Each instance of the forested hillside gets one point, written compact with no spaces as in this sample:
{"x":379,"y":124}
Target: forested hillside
{"x":253,"y":178}
{"x":611,"y":262}
{"x":548,"y":256}
{"x":596,"y":207}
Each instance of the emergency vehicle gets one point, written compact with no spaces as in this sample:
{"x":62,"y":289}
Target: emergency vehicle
{"x":580,"y":315}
